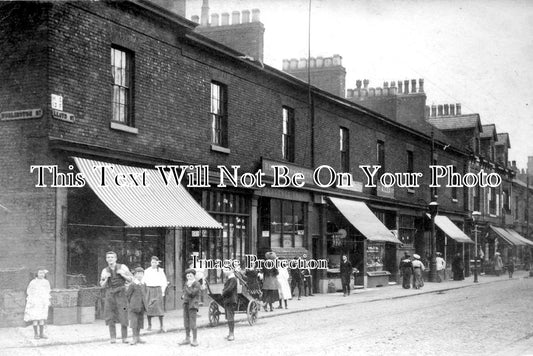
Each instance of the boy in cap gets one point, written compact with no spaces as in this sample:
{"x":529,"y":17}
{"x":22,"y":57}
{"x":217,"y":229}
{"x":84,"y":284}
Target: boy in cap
{"x":135,"y":294}
{"x":229,"y":293}
{"x":191,"y":301}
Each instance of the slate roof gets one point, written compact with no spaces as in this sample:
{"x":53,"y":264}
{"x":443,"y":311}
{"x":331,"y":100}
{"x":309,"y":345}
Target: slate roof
{"x":446,"y":123}
{"x":489,"y":131}
{"x":503,"y":139}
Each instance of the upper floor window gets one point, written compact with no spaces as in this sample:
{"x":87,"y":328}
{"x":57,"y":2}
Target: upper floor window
{"x":344,"y":147}
{"x":454,"y":189}
{"x":287,"y":140}
{"x":492,"y":201}
{"x":410,"y":162}
{"x":381,"y":157}
{"x":219,"y":117}
{"x":477,"y":198}
{"x":122,"y":69}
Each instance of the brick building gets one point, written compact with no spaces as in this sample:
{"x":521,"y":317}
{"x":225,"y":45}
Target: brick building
{"x":133,"y":85}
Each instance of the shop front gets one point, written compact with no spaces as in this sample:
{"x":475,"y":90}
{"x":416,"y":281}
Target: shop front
{"x":355,"y":231}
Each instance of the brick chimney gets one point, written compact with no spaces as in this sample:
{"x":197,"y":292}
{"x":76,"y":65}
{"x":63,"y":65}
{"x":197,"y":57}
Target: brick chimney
{"x":327,"y":73}
{"x":244,"y":34}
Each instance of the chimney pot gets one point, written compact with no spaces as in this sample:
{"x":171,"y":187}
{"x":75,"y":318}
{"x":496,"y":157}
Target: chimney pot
{"x":302,"y":64}
{"x":328,"y":61}
{"x":446,"y":109}
{"x":458,"y":109}
{"x":365,"y":83}
{"x":312,"y":62}
{"x":337,"y":60}
{"x":319,"y":61}
{"x":224,"y":19}
{"x":393,"y":84}
{"x":245,"y":16}
{"x":214,"y":20}
{"x":371,"y":92}
{"x":400,"y":87}
{"x":294,"y":63}
{"x":204,"y":13}
{"x":255,"y":15}
{"x":364,"y":93}
{"x":420,"y":85}
{"x":392,"y":90}
{"x":439,"y":108}
{"x":406,"y":87}
{"x":427,"y":111}
{"x":349,"y":93}
{"x":235,"y":18}
{"x":195,"y":18}
{"x":413,"y":85}
{"x":452,"y":110}
{"x":358,"y":83}
{"x":286,"y":64}
{"x":379,"y":91}
{"x":433,"y":110}
{"x":385,"y":84}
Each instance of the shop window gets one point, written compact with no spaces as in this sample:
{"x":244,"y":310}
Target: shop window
{"x":287,"y":142}
{"x":122,"y":70}
{"x":407,"y":229}
{"x":219,"y":117}
{"x":286,"y":223}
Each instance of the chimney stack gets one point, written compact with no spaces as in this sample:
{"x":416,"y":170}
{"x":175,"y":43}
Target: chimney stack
{"x":204,"y":18}
{"x":421,"y":85}
{"x":413,"y":85}
{"x":458,"y":109}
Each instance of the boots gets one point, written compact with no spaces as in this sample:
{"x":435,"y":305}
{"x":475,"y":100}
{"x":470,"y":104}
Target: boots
{"x":113,"y":333}
{"x":161,"y":328}
{"x":194,"y":343}
{"x":41,"y":332}
{"x":280,"y":307}
{"x":187,"y":340}
{"x":149,"y":323}
{"x":35,"y":333}
{"x":286,"y":304}
{"x":231,"y":325}
{"x":124,"y":333}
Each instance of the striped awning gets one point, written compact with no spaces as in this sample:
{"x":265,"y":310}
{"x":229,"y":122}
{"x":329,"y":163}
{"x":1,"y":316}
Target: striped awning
{"x":364,"y":220}
{"x":152,"y":205}
{"x":507,"y":237}
{"x":449,"y":228}
{"x":519,"y":237}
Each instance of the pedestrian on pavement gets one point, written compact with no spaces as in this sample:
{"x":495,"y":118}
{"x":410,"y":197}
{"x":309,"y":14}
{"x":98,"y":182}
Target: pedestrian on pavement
{"x":136,"y":295}
{"x":229,"y":294}
{"x":284,"y":290}
{"x":201,"y":276}
{"x":296,"y":279}
{"x":458,"y":267}
{"x":37,"y":303}
{"x":498,"y":264}
{"x":406,"y":270}
{"x":308,"y":279}
{"x":156,"y":285}
{"x":252,"y":281}
{"x":346,"y":270}
{"x":114,"y":278}
{"x":191,"y":301}
{"x":270,"y":283}
{"x":418,"y":268}
{"x":441,"y":267}
{"x":510,"y":266}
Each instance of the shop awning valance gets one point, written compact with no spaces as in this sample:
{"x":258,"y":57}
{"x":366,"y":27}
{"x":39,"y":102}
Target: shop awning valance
{"x":519,"y":237}
{"x":449,"y":228}
{"x":364,"y":220}
{"x":506,"y":236}
{"x":153,"y":205}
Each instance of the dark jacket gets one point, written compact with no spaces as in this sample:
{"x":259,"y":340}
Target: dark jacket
{"x":191,"y":295}
{"x":296,"y":274}
{"x":346,"y":271}
{"x":229,"y":293}
{"x":135,"y":294}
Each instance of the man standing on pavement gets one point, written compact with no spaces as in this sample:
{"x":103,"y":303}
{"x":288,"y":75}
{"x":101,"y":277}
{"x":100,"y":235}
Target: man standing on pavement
{"x":406,"y":270}
{"x":297,"y":280}
{"x":441,"y":266}
{"x":308,"y":279}
{"x":346,"y":274}
{"x":114,"y":278}
{"x":229,"y":293}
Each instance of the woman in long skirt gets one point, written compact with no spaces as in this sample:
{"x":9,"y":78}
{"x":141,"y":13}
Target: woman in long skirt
{"x":37,"y":303}
{"x":156,"y":284}
{"x":418,"y":268}
{"x":270,"y":283}
{"x":284,"y":288}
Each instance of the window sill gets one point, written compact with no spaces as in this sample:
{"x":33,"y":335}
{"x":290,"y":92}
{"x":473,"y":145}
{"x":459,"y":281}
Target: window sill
{"x":125,"y":128}
{"x":454,"y":200}
{"x":410,"y":191}
{"x":220,"y":149}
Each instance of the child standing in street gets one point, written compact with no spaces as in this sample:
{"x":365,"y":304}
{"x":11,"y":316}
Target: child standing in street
{"x":135,"y":294}
{"x":229,"y":293}
{"x":191,"y":301}
{"x":37,"y":303}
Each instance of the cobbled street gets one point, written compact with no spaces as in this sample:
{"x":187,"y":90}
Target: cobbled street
{"x":485,"y":319}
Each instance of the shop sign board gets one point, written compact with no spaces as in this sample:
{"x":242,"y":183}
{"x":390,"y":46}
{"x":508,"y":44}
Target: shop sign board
{"x":386,"y":192}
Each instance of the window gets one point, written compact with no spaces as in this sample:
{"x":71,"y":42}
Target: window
{"x":454,"y":189}
{"x":282,"y":223}
{"x":344,"y":146}
{"x":492,"y":201}
{"x":435,"y":190}
{"x":516,"y":208}
{"x":506,"y":201}
{"x":407,"y":229}
{"x":219,"y":119}
{"x":477,"y":198}
{"x":121,"y":70}
{"x":381,"y":157}
{"x":287,"y":140}
{"x":410,"y":162}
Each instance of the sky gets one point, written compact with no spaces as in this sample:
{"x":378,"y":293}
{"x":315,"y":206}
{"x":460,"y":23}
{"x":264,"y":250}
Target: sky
{"x":475,"y":52}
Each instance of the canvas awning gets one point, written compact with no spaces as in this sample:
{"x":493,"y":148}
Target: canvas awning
{"x":153,"y":205}
{"x":364,"y":220}
{"x":450,"y":229}
{"x":519,"y":237}
{"x":507,"y":236}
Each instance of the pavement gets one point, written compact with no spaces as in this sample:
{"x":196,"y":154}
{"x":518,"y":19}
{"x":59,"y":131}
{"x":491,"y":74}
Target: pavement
{"x":21,"y":337}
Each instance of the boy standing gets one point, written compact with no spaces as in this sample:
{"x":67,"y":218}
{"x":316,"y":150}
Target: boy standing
{"x":135,"y":294}
{"x":191,"y":301}
{"x":229,"y":293}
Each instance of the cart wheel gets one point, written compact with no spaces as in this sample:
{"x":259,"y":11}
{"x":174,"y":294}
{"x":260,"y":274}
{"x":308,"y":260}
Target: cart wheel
{"x":214,"y":314}
{"x":252,"y":312}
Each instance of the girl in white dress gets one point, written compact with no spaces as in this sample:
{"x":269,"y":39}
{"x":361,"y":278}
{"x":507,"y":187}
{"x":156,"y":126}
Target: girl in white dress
{"x":37,"y":303}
